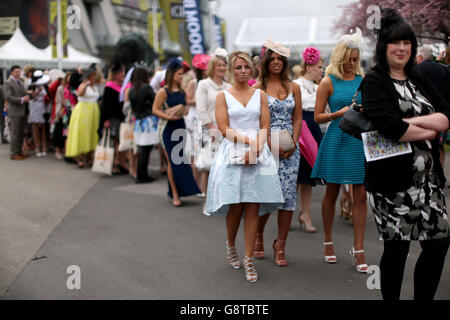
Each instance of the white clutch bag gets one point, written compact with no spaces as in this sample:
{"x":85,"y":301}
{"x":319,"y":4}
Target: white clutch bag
{"x":284,"y":139}
{"x":237,"y":153}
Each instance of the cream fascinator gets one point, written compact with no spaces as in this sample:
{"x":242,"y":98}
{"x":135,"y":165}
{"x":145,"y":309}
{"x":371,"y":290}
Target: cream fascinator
{"x":277,"y":47}
{"x":220,"y":52}
{"x":354,"y":41}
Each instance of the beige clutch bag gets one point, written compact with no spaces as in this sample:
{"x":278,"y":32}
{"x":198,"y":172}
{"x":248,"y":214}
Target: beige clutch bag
{"x":177,"y":111}
{"x":284,"y":139}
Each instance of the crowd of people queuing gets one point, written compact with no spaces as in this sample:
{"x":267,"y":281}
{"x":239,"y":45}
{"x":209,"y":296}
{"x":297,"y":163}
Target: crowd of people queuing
{"x":226,"y":110}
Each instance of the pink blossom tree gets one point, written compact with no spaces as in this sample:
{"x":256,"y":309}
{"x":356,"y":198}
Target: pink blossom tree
{"x":429,"y":19}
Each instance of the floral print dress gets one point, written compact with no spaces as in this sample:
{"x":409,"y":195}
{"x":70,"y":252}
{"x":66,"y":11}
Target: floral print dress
{"x":281,"y":117}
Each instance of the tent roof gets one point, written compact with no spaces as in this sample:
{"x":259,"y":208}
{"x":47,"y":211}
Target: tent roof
{"x":18,"y":50}
{"x":294,"y":32}
{"x":75,"y":58}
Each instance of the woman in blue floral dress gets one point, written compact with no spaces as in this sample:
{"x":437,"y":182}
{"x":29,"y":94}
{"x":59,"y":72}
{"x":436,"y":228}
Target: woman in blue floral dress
{"x":285,"y":106}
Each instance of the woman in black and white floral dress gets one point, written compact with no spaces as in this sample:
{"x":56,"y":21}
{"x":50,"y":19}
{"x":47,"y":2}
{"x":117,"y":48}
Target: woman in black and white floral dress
{"x":406,"y":191}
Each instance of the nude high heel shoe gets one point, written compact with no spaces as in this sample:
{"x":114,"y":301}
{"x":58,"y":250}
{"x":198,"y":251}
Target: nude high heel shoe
{"x":279,"y":262}
{"x":259,"y":246}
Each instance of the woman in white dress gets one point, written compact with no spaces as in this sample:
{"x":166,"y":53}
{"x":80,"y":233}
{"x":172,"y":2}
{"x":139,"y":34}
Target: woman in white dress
{"x":38,"y":107}
{"x":248,"y":182}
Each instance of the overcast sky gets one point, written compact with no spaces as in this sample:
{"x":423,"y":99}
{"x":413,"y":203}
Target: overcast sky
{"x":235,"y":11}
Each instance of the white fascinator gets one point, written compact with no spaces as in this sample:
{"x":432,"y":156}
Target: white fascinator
{"x":354,"y":40}
{"x":220,"y":52}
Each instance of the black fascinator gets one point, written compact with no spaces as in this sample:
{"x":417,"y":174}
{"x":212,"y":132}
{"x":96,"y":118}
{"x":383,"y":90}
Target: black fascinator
{"x":92,"y":68}
{"x":116,"y":66}
{"x":389,"y":18}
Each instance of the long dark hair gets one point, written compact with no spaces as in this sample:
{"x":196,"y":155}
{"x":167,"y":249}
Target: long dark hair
{"x":393,"y":28}
{"x":265,"y":73}
{"x":173,"y":66}
{"x":140,"y":77}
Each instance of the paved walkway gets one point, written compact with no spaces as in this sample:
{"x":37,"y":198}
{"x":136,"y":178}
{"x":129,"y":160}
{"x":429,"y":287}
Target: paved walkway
{"x":131,"y":243}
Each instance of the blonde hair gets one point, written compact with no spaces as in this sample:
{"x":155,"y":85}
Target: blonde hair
{"x":296,"y":71}
{"x":187,"y":77}
{"x":340,"y":56}
{"x":99,"y":78}
{"x":212,"y":63}
{"x":243,"y":55}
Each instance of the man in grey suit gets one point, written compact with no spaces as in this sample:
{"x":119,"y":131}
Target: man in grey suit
{"x":17,"y":97}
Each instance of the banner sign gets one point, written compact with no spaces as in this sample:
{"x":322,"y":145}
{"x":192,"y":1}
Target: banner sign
{"x":175,"y":22}
{"x":64,"y":34}
{"x":218,"y":36}
{"x":53,"y":27}
{"x":224,"y":32}
{"x":151,"y":40}
{"x":8,"y":25}
{"x":194,"y":26}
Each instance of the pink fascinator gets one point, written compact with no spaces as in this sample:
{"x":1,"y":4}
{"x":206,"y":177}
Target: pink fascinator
{"x":311,"y":55}
{"x":200,"y":61}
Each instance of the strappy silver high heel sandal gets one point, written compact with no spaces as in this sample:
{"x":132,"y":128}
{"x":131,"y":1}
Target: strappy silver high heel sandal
{"x":250,"y":272}
{"x":232,"y":256}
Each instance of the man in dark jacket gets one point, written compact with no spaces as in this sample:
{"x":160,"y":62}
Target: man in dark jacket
{"x":17,"y":97}
{"x":438,"y":73}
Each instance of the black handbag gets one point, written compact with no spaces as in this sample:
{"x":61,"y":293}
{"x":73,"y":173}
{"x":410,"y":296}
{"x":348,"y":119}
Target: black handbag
{"x":355,"y":121}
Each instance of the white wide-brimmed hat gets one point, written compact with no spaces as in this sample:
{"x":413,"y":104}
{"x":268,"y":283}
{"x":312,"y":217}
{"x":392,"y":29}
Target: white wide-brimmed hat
{"x":39,"y":78}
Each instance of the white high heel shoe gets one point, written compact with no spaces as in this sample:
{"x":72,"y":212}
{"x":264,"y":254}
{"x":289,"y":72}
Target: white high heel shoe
{"x":250,"y":272}
{"x":329,"y":259}
{"x":232,"y":256}
{"x":359,"y":267}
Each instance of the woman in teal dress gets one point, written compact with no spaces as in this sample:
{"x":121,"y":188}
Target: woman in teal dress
{"x":340,"y":159}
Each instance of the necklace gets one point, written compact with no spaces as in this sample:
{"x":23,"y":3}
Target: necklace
{"x":310,"y":90}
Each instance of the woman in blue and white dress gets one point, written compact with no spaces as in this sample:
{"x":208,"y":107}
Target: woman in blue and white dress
{"x":248,"y":183}
{"x":285,"y":106}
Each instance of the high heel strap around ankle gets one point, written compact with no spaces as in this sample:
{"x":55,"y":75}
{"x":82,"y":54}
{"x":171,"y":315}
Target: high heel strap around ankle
{"x":250,"y":271}
{"x":329,"y":259}
{"x":279,"y":262}
{"x":362,"y":268}
{"x":232,"y":256}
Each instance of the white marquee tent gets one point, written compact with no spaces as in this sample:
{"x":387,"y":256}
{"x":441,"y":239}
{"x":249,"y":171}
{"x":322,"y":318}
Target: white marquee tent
{"x":18,"y":50}
{"x":297,"y":33}
{"x":75,"y":58}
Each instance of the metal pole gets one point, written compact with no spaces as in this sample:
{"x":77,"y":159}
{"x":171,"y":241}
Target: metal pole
{"x":155,"y":32}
